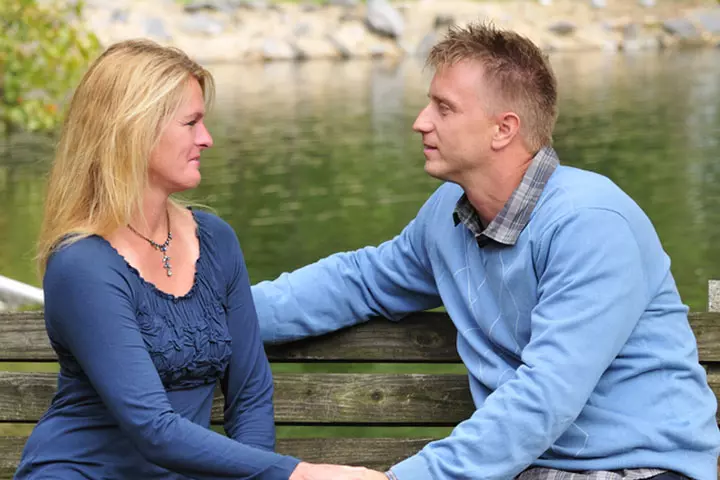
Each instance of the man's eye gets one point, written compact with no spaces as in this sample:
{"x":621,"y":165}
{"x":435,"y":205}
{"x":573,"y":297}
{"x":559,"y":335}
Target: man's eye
{"x":192,"y":123}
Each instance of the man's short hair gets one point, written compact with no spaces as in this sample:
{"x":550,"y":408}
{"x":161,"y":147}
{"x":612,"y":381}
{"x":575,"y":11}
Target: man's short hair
{"x":514,"y":68}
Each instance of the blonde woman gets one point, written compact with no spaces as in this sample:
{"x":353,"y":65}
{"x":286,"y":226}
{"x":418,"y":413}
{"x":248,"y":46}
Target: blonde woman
{"x":148,"y":303}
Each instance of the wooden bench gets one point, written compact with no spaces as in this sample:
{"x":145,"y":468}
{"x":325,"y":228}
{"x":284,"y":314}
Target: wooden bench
{"x":320,"y":399}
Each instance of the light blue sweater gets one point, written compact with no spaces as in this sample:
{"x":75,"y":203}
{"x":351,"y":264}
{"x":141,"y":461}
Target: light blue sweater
{"x":578,"y":347}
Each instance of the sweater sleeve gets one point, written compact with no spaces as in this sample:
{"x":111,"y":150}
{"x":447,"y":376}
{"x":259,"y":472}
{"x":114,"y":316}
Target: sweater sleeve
{"x":391,"y":280}
{"x":247,"y":384}
{"x":592,"y":293}
{"x":89,"y":310}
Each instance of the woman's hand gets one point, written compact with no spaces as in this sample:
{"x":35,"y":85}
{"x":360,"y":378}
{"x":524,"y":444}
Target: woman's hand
{"x":311,"y":471}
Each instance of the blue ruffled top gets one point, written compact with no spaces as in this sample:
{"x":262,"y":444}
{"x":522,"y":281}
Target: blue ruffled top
{"x":139,"y":366}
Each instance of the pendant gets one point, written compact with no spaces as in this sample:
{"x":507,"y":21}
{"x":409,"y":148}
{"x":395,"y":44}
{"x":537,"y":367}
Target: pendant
{"x":166,"y":261}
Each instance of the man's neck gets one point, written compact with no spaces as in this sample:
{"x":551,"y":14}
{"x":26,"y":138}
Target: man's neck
{"x":489,"y":188}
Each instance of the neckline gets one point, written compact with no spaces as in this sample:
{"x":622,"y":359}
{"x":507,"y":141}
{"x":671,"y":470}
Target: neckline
{"x":154,"y":288}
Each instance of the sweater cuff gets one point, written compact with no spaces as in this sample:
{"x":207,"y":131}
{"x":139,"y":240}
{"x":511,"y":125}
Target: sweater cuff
{"x":284,"y":467}
{"x":412,"y":468}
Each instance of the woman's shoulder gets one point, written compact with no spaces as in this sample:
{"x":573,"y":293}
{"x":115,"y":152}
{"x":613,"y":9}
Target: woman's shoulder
{"x":70,"y":251}
{"x":90,"y":257}
{"x":216,"y":228}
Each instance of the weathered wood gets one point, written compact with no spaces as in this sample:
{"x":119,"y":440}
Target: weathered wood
{"x":309,"y":399}
{"x":375,"y":453}
{"x":426,"y":337}
{"x":338,"y":399}
{"x":10,"y":450}
{"x":23,"y":337}
{"x":714,"y":296}
{"x":421,"y":337}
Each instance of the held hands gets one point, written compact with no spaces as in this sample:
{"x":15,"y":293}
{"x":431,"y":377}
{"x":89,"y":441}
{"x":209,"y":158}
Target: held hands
{"x":311,"y":471}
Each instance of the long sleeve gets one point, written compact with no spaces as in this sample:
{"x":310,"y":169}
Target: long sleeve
{"x":247,"y":384}
{"x":575,"y":335}
{"x":391,"y":280}
{"x":90,"y":312}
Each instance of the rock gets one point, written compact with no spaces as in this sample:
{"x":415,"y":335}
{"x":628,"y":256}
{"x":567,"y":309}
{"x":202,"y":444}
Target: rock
{"x":119,"y":15}
{"x":313,"y":48}
{"x":563,"y":27}
{"x":443,"y":20}
{"x":302,"y":29}
{"x":155,"y":28}
{"x":274,"y":49}
{"x":309,"y":7}
{"x":349,"y":40}
{"x":644,"y":42}
{"x":708,"y":20}
{"x":425,"y":45}
{"x":383,"y":19}
{"x":599,"y":3}
{"x":256,"y":4}
{"x":195,"y":6}
{"x":631,"y":31}
{"x":343,"y":3}
{"x":681,"y":28}
{"x":379,"y":50}
{"x":201,"y":24}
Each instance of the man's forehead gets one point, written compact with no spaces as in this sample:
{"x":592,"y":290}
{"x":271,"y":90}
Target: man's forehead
{"x":462,"y":76}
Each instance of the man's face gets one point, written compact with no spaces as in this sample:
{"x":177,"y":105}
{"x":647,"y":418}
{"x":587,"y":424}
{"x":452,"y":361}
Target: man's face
{"x":455,"y":126}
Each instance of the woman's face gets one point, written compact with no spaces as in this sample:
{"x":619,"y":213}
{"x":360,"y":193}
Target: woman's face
{"x":175,"y":161}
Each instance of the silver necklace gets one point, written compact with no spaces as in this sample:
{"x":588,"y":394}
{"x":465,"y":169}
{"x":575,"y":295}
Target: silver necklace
{"x":161,"y":247}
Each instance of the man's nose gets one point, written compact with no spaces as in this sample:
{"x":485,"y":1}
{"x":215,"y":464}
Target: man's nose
{"x":422,"y":123}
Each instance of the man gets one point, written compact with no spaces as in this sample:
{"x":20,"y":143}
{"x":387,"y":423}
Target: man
{"x":578,"y":347}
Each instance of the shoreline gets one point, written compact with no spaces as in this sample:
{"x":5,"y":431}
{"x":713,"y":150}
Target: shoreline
{"x":234,"y":31}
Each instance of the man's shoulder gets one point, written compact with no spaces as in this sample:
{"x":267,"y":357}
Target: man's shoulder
{"x":572,"y":189}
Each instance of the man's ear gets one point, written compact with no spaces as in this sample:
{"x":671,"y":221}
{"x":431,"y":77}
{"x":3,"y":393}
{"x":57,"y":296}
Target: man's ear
{"x":506,"y":128}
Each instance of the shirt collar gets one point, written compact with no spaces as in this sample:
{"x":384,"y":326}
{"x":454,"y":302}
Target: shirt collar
{"x":506,"y":227}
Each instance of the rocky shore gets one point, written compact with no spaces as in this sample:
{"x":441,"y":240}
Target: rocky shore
{"x":264,"y":30}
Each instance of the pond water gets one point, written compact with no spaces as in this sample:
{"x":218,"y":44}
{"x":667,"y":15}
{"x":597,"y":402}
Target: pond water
{"x":319,"y":157}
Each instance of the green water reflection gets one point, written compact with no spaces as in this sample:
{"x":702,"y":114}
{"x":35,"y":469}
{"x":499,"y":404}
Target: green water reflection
{"x":319,"y":157}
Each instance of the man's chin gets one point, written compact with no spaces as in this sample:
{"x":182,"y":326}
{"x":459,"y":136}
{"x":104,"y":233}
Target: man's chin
{"x":434,"y":170}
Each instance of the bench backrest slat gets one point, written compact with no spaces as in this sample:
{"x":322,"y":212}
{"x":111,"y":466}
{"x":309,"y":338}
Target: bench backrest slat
{"x":308,"y":399}
{"x":425,"y":337}
{"x":300,"y":398}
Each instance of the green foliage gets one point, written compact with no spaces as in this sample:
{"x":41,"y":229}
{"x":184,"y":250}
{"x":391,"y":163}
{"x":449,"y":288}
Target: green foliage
{"x":43,"y":52}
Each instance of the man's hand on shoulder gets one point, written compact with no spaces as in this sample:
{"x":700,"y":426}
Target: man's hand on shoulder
{"x":310,"y":471}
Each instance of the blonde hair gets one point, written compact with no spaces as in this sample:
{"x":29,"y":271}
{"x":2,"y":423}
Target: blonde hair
{"x":114,"y":121}
{"x":514,"y":67}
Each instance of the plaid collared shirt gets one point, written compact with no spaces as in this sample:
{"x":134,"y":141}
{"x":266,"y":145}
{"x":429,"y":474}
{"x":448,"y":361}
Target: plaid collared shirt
{"x":505,"y":228}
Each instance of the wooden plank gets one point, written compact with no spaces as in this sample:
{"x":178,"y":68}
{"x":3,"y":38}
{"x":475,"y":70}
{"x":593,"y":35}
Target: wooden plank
{"x":307,"y":399}
{"x":23,"y":337}
{"x":375,"y":453}
{"x":10,"y":451}
{"x":422,"y":337}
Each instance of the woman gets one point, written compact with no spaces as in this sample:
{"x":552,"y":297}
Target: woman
{"x":148,"y":303}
